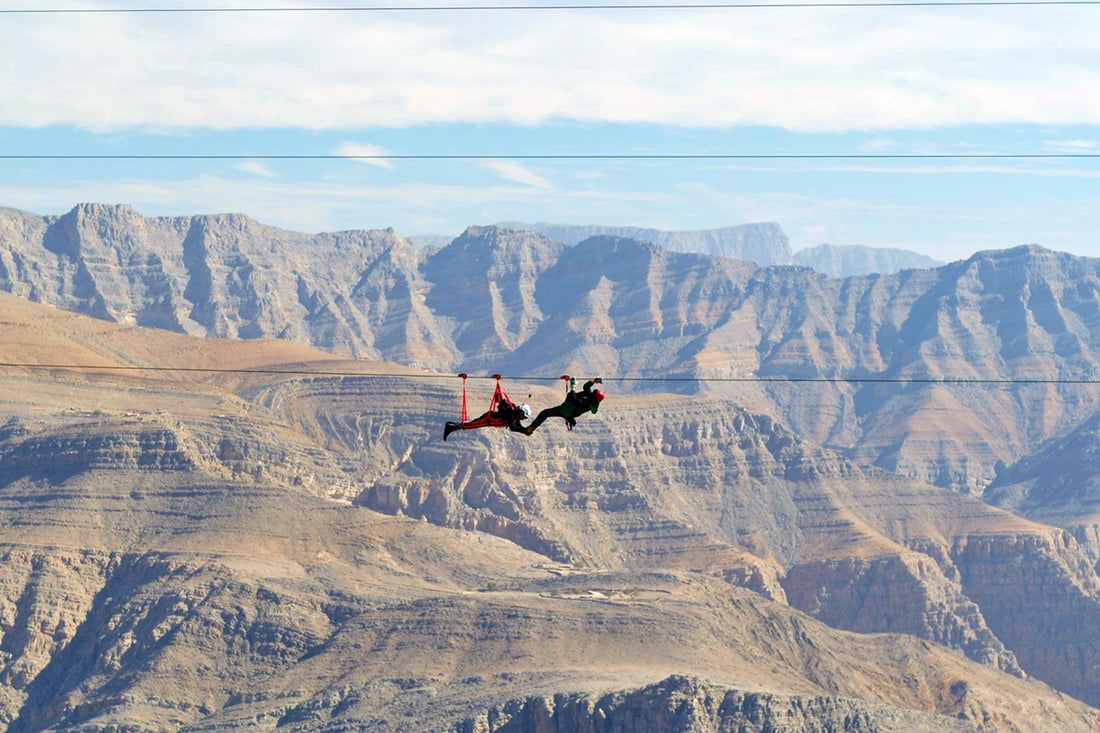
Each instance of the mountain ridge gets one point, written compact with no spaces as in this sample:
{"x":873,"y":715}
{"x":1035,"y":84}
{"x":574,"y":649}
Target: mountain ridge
{"x":506,"y":301}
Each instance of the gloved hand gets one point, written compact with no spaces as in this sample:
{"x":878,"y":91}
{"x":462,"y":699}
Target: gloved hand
{"x":598,"y":380}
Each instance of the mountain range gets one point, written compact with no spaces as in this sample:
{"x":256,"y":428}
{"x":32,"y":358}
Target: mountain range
{"x":509,"y":301}
{"x":809,"y":503}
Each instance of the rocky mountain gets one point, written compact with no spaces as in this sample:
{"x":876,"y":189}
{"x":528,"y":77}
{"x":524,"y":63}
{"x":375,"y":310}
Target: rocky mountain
{"x":852,"y":364}
{"x":1058,"y":485}
{"x":852,"y":260}
{"x":220,"y":276}
{"x":205,"y":534}
{"x":764,"y":243}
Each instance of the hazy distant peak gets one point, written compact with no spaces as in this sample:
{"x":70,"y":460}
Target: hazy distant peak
{"x":1013,"y":253}
{"x":764,"y":243}
{"x":855,"y":260}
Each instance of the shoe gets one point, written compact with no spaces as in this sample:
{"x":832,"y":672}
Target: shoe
{"x":449,"y":428}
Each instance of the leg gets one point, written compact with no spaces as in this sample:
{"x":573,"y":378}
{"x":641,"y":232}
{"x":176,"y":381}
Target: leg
{"x":481,"y":421}
{"x":541,"y":418}
{"x":477,"y":422}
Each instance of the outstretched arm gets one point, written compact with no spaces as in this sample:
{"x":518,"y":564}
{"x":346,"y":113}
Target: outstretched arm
{"x":593,"y":403}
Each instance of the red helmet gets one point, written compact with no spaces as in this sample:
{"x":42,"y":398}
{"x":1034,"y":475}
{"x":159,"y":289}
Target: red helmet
{"x":599,"y":395}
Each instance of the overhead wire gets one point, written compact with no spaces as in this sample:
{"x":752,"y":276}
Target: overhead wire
{"x":554,"y":156}
{"x":299,"y":372}
{"x":550,"y":6}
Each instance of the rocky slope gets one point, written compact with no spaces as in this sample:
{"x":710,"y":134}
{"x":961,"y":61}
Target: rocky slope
{"x":855,"y":260}
{"x":1057,"y":485}
{"x":177,"y":556}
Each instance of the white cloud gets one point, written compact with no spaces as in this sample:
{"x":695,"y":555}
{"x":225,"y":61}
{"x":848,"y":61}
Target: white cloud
{"x":512,"y":171}
{"x":590,"y":175}
{"x":366,"y":153}
{"x":802,"y":69}
{"x":256,"y":168}
{"x":1073,"y":146}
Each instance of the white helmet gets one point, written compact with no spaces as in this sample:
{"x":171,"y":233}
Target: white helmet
{"x":526,"y":411}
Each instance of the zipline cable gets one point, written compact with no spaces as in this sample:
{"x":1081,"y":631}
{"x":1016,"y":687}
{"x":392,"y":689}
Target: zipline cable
{"x":553,"y":6}
{"x":556,"y":156}
{"x":530,"y":378}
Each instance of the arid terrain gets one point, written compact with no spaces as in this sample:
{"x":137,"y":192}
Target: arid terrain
{"x":250,"y":529}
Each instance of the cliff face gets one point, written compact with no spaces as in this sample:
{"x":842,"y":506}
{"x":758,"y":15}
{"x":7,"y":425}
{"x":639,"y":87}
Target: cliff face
{"x":682,"y":705}
{"x":485,"y":281}
{"x":1043,"y":639}
{"x":1059,"y":485}
{"x":81,"y":623}
{"x":905,"y":593}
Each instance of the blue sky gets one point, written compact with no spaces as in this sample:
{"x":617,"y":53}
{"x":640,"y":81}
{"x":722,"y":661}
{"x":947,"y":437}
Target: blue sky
{"x":801,"y":81}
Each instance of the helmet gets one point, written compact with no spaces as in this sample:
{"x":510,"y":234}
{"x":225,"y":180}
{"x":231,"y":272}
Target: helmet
{"x":526,"y":409}
{"x":599,"y":395}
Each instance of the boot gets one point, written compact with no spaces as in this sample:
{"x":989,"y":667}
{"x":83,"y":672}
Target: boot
{"x":449,"y":428}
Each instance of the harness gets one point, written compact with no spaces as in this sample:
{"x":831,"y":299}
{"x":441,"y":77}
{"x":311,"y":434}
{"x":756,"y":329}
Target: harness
{"x":500,"y":405}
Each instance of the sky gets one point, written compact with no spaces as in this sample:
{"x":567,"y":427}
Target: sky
{"x":433,"y":117}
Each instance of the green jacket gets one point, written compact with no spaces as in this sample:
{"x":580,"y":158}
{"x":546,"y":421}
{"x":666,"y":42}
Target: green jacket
{"x":577,"y":403}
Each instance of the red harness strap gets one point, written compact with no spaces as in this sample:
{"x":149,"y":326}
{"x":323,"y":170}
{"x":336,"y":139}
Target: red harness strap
{"x":463,"y":375}
{"x":499,"y":396}
{"x":491,"y":419}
